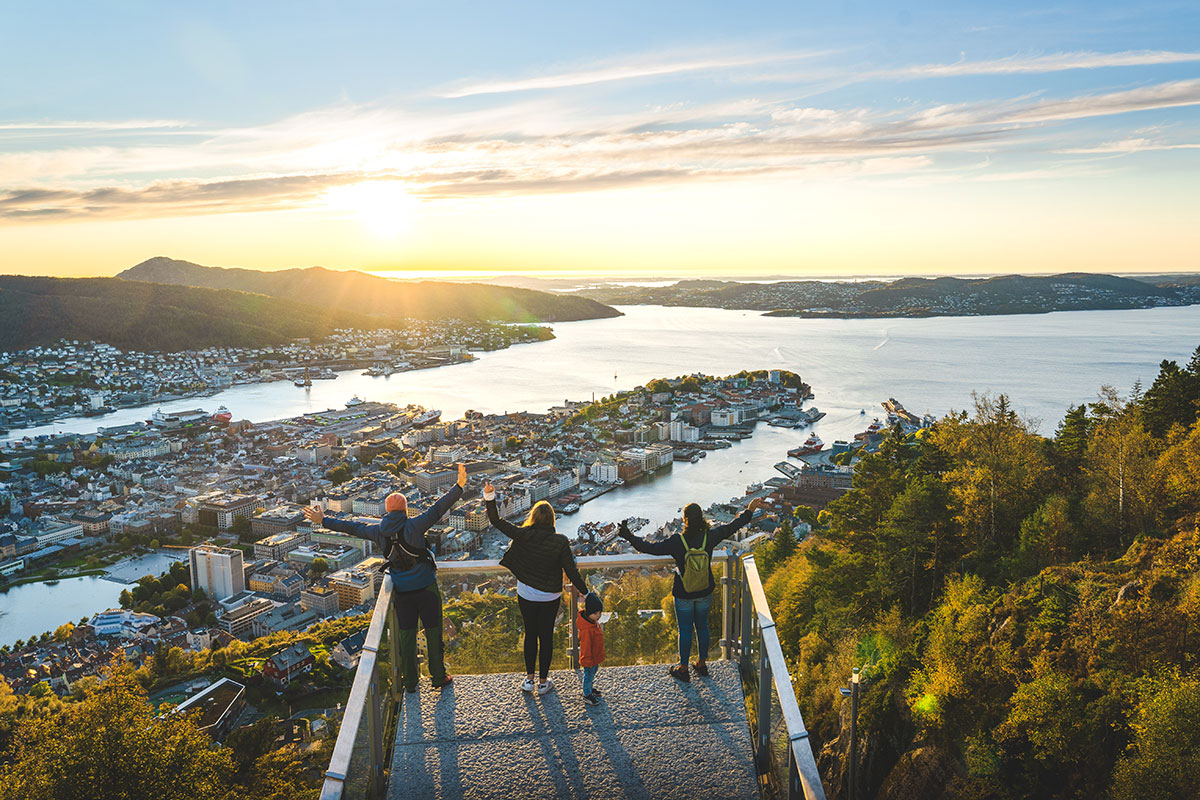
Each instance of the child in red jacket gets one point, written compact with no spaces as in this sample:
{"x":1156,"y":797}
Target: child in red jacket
{"x":591,"y":645}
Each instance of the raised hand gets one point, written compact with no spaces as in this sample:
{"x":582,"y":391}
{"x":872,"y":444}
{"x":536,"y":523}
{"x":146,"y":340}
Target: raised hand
{"x":489,"y":491}
{"x":462,"y":475}
{"x":754,"y":504}
{"x":314,"y":514}
{"x":623,"y":530}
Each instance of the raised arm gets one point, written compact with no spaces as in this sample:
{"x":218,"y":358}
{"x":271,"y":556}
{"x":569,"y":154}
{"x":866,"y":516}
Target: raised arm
{"x":502,"y":525}
{"x":572,"y":570}
{"x":722,"y":532}
{"x":415,"y":530}
{"x":661,"y":548}
{"x":361,"y":530}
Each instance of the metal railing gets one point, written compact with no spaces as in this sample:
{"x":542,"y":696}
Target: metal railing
{"x":757,"y":633}
{"x":746,"y":622}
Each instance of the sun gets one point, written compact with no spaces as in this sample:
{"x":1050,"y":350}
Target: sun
{"x":383,"y":207}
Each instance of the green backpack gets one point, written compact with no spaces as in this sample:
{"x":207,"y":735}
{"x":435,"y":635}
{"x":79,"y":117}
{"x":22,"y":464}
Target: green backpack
{"x":695,"y":573}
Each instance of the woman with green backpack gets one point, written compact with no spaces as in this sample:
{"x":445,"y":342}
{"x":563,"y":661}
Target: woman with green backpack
{"x":694,"y":584}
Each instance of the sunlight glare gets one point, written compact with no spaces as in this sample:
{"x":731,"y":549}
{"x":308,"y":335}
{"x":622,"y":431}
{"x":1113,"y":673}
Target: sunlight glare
{"x":383,"y":207}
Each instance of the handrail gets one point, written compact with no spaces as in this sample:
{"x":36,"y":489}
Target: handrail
{"x":365,"y":679}
{"x":804,"y":779}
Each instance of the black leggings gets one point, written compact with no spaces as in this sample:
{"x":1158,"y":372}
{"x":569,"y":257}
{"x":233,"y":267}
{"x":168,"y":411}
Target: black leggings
{"x":539,"y":632}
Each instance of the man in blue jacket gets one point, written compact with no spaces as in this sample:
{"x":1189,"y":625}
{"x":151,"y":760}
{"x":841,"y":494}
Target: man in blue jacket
{"x":411,"y":564}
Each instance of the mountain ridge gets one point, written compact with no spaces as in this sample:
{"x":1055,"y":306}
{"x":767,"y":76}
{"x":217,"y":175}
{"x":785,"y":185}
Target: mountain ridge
{"x":139,"y":315}
{"x":361,"y":292}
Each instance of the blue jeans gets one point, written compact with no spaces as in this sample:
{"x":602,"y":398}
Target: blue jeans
{"x":589,"y":675}
{"x":693,"y":614}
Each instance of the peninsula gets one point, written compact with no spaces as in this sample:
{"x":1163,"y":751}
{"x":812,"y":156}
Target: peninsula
{"x":915,"y":297}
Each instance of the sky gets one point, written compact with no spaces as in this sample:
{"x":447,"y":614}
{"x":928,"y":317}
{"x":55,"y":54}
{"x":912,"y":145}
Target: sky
{"x":554,"y":139}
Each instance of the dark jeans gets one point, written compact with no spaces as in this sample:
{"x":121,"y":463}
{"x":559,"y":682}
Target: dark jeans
{"x":539,"y":633}
{"x":424,"y":605}
{"x":693,"y":614}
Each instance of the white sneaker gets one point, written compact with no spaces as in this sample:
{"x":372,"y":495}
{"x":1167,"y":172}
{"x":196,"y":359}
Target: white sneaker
{"x":545,"y":687}
{"x":527,"y":686}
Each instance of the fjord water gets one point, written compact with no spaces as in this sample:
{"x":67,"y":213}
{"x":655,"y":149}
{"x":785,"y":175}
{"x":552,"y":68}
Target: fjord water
{"x":1043,"y":362}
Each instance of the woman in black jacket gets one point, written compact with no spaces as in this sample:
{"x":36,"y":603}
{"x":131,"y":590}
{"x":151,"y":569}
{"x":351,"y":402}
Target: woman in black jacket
{"x":538,"y":557}
{"x":691,"y":607}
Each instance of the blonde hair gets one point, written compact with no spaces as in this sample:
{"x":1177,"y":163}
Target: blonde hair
{"x":542,"y":513}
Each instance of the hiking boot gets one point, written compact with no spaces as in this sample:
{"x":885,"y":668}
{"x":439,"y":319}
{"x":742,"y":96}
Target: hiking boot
{"x":680,"y":671}
{"x":701,"y":668}
{"x":547,"y":686}
{"x":528,"y":685}
{"x":591,"y":699}
{"x":597,"y":692}
{"x":448,"y":680}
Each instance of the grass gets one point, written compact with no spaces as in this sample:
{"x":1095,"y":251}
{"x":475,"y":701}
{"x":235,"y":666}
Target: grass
{"x":246,"y":667}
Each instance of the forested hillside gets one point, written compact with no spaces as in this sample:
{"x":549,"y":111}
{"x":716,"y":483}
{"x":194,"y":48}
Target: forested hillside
{"x":1026,"y":609}
{"x":134,"y":315}
{"x":360,"y":292}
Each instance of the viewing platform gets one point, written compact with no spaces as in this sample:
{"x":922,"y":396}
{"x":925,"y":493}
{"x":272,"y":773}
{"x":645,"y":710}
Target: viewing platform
{"x":737,"y":733}
{"x":651,"y":736}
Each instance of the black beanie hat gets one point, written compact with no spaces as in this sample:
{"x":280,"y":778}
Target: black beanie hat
{"x":592,"y":603}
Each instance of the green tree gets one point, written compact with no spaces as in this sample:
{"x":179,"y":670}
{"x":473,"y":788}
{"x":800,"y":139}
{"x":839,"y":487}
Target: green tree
{"x":63,"y":632}
{"x":318,"y":568}
{"x":1171,"y":399}
{"x":339,"y":474}
{"x":1164,"y":758}
{"x":240,"y":527}
{"x":113,"y":745}
{"x":1120,"y":470}
{"x":998,"y":463}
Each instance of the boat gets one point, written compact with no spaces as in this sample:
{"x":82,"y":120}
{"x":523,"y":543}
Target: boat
{"x":425,"y":417}
{"x":223,"y":414}
{"x":354,"y":401}
{"x":863,"y":412}
{"x":814,"y":414}
{"x":875,"y":427}
{"x":306,"y":382}
{"x":812,"y":444}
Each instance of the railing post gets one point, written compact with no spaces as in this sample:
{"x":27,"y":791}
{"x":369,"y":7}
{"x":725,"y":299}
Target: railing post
{"x":572,"y":612}
{"x":795,"y":790}
{"x":747,"y":603}
{"x":763,"y":750}
{"x":375,"y":735}
{"x":727,"y":608}
{"x":393,"y":628}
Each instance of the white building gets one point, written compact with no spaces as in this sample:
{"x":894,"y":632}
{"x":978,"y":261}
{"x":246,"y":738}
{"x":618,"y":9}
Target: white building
{"x":121,"y":622}
{"x":603,"y":472}
{"x":217,"y":570}
{"x":682,"y":432}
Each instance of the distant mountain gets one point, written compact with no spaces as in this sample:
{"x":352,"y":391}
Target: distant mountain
{"x":362,"y":293}
{"x":152,"y":316}
{"x":1006,"y":294}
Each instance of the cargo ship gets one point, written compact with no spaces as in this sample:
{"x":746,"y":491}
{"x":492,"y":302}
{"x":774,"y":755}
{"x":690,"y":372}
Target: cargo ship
{"x":812,"y":444}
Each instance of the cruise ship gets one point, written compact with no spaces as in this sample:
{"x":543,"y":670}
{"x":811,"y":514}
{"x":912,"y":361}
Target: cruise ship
{"x":426,"y":417}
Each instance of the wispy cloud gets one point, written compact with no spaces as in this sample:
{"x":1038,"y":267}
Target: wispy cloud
{"x":81,"y":125}
{"x":549,"y":142}
{"x":1032,"y":64}
{"x":630,"y":70}
{"x":1126,"y":146}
